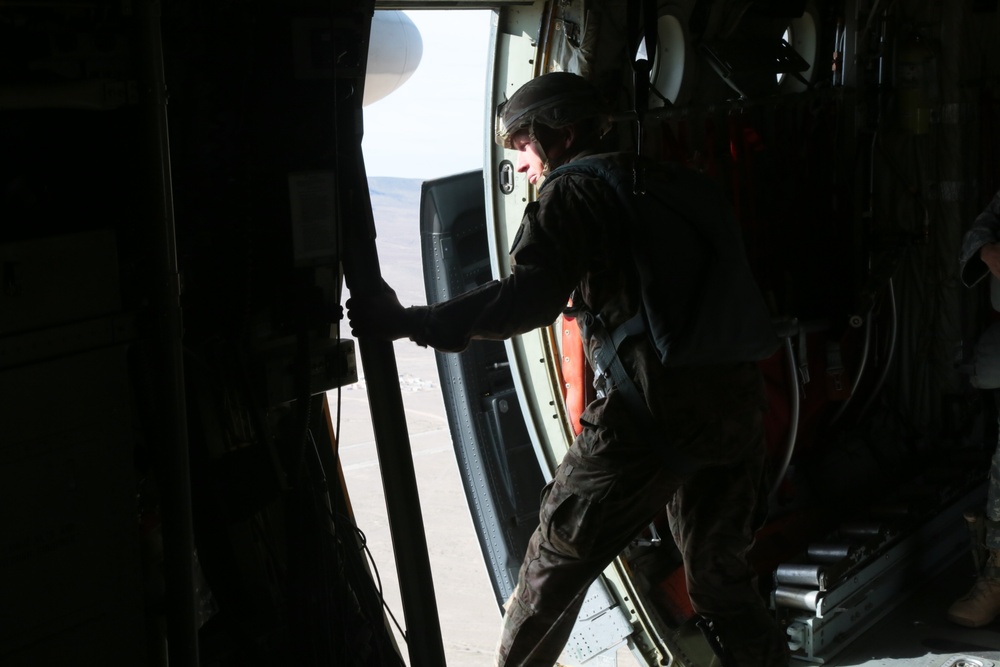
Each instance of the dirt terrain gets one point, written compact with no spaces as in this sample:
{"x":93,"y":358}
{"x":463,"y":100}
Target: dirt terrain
{"x":468,"y":613}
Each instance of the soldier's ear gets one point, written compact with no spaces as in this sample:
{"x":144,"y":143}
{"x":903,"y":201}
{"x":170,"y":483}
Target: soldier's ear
{"x":555,"y":141}
{"x":569,"y":136}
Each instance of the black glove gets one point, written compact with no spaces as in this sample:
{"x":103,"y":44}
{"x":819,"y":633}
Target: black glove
{"x":379,"y":315}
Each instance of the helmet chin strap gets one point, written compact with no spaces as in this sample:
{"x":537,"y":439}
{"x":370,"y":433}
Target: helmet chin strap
{"x":538,"y":148}
{"x":546,"y":162}
{"x":547,"y":165}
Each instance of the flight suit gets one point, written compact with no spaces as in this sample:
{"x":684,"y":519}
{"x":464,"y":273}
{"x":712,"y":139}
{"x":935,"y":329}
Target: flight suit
{"x":701,"y":456}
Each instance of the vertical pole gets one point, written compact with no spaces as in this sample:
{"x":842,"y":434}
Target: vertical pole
{"x":167,"y":330}
{"x":423,"y":630}
{"x":406,"y":527}
{"x":363,"y":275}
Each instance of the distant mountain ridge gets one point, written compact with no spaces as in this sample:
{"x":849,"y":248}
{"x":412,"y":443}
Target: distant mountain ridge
{"x":388,"y":190}
{"x":396,"y":209}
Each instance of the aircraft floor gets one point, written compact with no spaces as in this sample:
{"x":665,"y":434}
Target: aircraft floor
{"x":917,"y":634}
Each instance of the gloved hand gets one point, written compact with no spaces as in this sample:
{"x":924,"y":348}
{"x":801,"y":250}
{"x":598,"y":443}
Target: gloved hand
{"x":378,"y":315}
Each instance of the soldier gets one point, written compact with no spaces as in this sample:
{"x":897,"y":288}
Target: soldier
{"x":678,"y":428}
{"x":979,"y":258}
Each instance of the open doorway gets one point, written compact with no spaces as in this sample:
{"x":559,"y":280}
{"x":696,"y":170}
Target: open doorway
{"x":431,"y":125}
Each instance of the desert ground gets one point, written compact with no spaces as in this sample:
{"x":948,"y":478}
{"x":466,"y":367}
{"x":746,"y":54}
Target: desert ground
{"x":469,"y":616}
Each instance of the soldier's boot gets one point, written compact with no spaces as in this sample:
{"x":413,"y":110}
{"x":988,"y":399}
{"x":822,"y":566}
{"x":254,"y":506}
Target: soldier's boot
{"x":981,"y":605}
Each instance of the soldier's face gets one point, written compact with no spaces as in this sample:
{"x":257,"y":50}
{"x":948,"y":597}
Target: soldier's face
{"x":529,"y":162}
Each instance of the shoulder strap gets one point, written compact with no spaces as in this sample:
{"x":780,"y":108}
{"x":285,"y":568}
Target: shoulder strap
{"x":596,"y":166}
{"x":607,"y":363}
{"x":599,"y":166}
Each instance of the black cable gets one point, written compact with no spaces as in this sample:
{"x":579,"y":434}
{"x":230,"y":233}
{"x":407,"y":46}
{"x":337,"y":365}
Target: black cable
{"x":356,"y":574}
{"x":378,"y":581}
{"x":663,"y":98}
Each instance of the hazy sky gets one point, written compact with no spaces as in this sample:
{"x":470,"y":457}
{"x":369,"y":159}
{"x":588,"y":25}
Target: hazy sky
{"x":433,"y":124}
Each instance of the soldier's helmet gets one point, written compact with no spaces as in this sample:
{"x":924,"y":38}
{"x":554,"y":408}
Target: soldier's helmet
{"x":556,"y":100}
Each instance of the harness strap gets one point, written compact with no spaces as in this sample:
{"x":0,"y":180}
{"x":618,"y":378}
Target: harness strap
{"x":608,"y":365}
{"x":633,"y":326}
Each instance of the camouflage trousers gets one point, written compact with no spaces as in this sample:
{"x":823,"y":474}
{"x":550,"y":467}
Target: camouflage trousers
{"x":993,"y":495}
{"x":613,"y":482}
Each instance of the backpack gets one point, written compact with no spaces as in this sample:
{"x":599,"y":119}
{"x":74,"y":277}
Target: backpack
{"x":721,"y":316}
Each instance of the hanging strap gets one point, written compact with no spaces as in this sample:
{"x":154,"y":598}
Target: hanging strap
{"x":641,"y":15}
{"x":607,"y":360}
{"x":608,"y":365}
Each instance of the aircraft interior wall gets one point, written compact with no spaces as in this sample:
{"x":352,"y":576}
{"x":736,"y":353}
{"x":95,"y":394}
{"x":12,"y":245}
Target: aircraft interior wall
{"x":853,"y":200}
{"x":170,"y":246}
{"x":855,"y":143}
